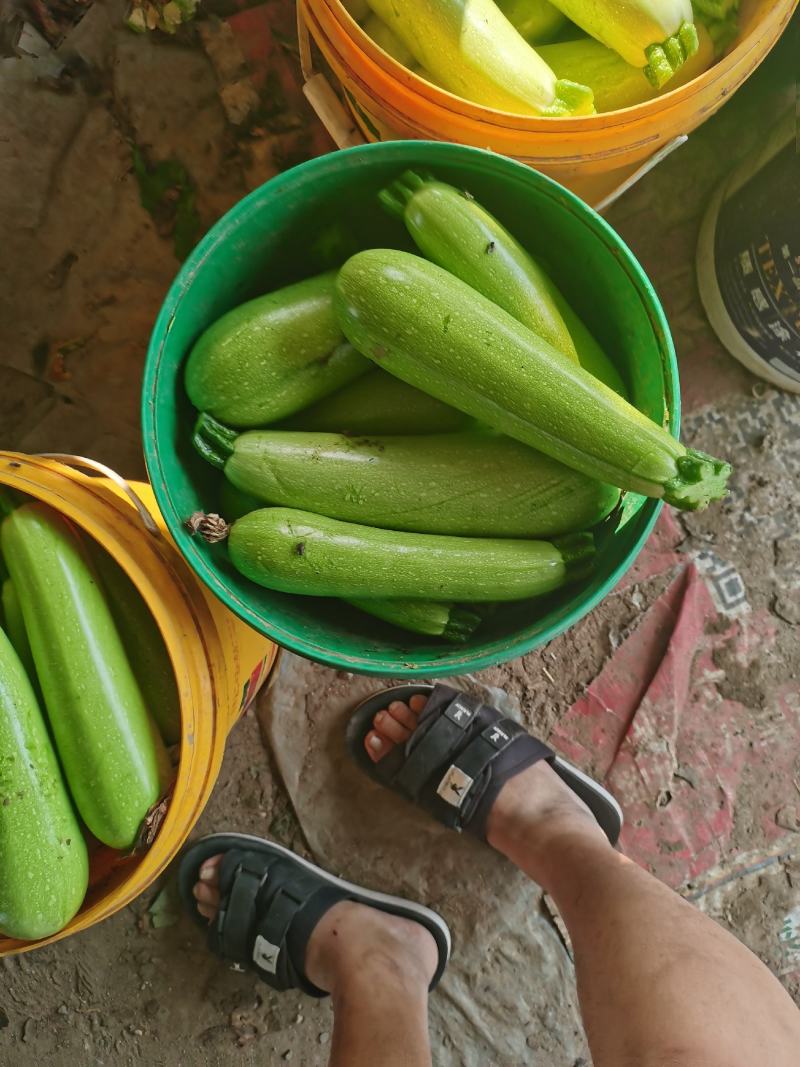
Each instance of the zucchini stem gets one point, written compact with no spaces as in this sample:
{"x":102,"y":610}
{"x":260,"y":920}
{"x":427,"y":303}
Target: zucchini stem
{"x":577,"y":550}
{"x":211,"y":527}
{"x":461,"y":624}
{"x":397,"y":194}
{"x":700,"y":479}
{"x":664,"y":59}
{"x":214,"y":441}
{"x":571,"y":99}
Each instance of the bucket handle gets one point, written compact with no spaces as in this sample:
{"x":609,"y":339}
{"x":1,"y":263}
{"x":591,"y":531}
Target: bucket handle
{"x":317,"y":90}
{"x":148,"y":521}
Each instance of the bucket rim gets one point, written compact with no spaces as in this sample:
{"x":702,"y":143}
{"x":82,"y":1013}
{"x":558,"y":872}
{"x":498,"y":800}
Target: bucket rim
{"x":449,"y":104}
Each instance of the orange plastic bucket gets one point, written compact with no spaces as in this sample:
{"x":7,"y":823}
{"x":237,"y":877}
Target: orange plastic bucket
{"x":219,"y":662}
{"x":591,"y":155}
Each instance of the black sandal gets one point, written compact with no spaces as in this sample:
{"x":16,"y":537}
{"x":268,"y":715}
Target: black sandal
{"x":459,"y":757}
{"x":270,"y":902}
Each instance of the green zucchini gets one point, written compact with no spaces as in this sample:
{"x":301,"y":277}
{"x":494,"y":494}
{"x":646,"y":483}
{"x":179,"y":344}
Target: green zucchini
{"x":536,"y":20}
{"x":272,"y":356}
{"x":378,"y":403}
{"x":480,"y":485}
{"x":475,"y":52}
{"x":297,"y":552}
{"x":451,"y":622}
{"x":433,"y":331}
{"x":15,"y":628}
{"x":147,"y":653}
{"x":615,"y":83}
{"x":590,"y":355}
{"x":113,"y":759}
{"x":454,"y":231}
{"x":233,"y":503}
{"x":44,"y":866}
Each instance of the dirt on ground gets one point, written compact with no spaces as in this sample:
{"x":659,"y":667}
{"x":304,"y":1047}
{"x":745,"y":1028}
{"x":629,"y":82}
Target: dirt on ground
{"x":104,"y":141}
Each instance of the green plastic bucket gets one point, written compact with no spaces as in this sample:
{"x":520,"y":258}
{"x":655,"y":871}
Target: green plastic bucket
{"x":275,"y":236}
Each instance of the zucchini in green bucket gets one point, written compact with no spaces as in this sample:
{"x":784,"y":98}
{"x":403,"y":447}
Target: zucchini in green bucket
{"x":452,"y":622}
{"x":429,"y":328}
{"x":455,"y":232}
{"x":298,"y":552}
{"x":272,"y":356}
{"x":378,"y":403}
{"x":484,"y":485}
{"x":452,"y":230}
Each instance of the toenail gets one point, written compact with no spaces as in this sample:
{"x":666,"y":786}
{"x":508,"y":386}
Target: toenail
{"x":376,"y":743}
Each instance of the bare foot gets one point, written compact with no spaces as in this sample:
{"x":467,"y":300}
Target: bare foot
{"x":352,"y":945}
{"x":532,"y":809}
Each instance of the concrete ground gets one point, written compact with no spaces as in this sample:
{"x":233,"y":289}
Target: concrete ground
{"x":85,"y":266}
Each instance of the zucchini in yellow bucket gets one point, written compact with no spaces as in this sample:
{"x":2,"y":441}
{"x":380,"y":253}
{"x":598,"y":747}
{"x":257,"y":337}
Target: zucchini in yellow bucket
{"x":44,"y":866}
{"x":615,"y":83}
{"x":655,"y":35}
{"x":536,"y":20}
{"x":113,"y":758}
{"x":472,"y":50}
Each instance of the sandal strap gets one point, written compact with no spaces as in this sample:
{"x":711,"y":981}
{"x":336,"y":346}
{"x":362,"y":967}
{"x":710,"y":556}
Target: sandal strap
{"x":464,"y":781}
{"x":286,"y":920}
{"x":240,"y":879}
{"x":459,"y":757}
{"x":437,"y":746}
{"x":264,"y":901}
{"x":270,"y":956}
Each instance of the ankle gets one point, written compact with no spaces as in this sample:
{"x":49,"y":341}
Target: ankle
{"x":380,"y":973}
{"x":537,"y":818}
{"x":357,"y":947}
{"x":556,"y":850}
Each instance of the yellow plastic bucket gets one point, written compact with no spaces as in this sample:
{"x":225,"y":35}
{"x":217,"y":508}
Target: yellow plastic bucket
{"x":591,"y":155}
{"x":219,"y":662}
